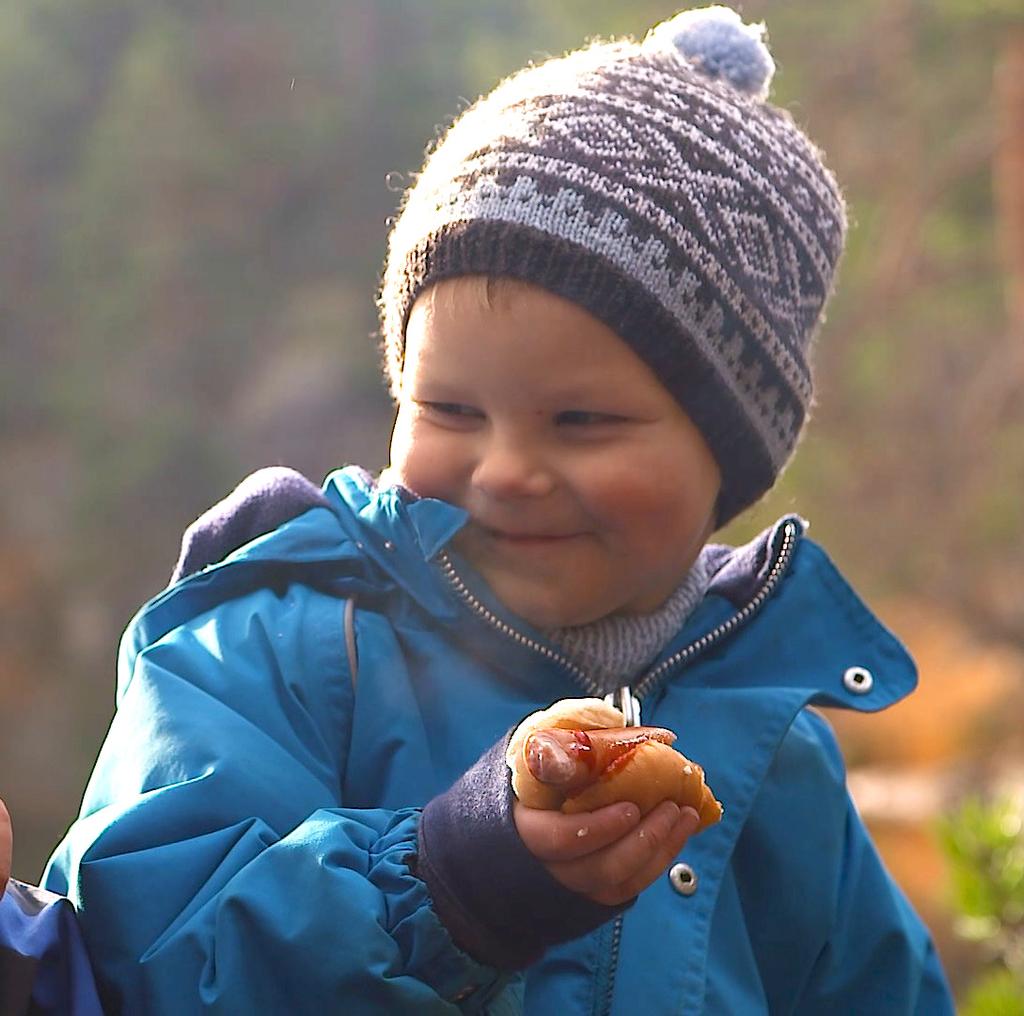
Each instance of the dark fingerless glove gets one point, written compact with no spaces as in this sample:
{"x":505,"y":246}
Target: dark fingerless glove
{"x":497,"y":900}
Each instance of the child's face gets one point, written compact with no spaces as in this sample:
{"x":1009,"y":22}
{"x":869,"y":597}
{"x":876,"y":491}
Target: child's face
{"x":589,"y":490}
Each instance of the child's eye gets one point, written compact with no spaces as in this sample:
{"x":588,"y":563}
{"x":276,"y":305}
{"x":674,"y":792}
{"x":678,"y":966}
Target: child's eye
{"x":451,"y":409}
{"x":583,"y":418}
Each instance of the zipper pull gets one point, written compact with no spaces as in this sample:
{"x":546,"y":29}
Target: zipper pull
{"x":627,"y":704}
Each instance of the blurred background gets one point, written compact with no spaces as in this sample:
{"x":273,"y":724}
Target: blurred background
{"x":194,"y":200}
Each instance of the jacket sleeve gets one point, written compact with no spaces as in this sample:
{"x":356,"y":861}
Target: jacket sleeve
{"x":879,"y":956}
{"x":43,"y":965}
{"x":215,"y":865}
{"x":493,"y":895}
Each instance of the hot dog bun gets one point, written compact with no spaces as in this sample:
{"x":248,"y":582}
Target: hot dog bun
{"x":645,"y":773}
{"x":650,"y":773}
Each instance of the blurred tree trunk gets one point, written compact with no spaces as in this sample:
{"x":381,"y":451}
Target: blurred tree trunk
{"x":994,"y":402}
{"x":1009,"y":177}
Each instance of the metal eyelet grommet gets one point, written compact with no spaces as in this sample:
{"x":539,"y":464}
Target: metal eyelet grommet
{"x":858,"y":680}
{"x":683,"y":879}
{"x":388,"y":545}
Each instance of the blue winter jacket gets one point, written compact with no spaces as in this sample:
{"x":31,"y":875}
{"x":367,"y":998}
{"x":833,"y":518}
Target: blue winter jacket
{"x":44,"y":970}
{"x":247,"y":840}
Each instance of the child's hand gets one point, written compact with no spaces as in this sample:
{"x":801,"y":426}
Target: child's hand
{"x":6,"y":838}
{"x":608,"y":855}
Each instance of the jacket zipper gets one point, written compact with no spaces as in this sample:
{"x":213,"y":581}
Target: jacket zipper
{"x":478,"y":608}
{"x":790,"y":532}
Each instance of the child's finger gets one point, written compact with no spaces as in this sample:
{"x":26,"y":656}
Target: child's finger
{"x":552,"y":836}
{"x":619,"y":861}
{"x":684,"y":828}
{"x":622,"y":869}
{"x":5,"y":847}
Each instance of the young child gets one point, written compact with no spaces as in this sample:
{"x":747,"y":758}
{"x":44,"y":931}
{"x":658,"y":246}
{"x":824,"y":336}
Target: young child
{"x":44,"y":970}
{"x":597,"y":308}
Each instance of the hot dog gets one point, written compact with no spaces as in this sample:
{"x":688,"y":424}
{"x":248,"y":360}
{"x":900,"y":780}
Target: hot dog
{"x":576,"y":756}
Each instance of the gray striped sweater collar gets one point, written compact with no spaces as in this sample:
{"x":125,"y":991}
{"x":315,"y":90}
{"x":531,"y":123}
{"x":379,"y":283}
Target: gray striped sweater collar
{"x":613,"y":650}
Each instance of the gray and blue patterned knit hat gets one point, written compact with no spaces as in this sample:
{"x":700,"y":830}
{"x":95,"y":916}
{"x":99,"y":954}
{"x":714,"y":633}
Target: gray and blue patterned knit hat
{"x":652,"y":184}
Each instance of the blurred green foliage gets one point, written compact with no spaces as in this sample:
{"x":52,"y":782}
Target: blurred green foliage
{"x":997,"y":993}
{"x":984,"y":843}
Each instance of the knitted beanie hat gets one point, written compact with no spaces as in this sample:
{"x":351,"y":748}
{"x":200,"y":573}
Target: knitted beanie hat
{"x":651,"y":184}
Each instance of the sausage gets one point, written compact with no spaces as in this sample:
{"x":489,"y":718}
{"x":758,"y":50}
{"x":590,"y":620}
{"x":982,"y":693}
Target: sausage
{"x":575,"y":756}
{"x":571,"y":759}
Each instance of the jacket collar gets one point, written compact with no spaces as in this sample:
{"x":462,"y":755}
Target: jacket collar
{"x":737,"y":573}
{"x":815,"y":620}
{"x":369,"y":541}
{"x":824,"y":645}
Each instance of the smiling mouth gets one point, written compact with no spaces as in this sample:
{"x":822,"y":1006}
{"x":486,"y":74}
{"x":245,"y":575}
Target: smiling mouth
{"x":525,"y":539}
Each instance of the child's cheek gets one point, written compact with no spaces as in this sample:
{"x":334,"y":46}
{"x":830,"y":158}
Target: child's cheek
{"x":421,"y":460}
{"x":641,"y":507}
{"x":650,"y":515}
{"x":631,"y":492}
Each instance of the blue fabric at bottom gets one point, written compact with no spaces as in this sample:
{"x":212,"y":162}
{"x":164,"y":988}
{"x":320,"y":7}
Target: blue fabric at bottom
{"x":44,"y":968}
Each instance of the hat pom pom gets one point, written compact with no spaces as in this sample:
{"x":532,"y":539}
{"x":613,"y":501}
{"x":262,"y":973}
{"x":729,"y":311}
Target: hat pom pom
{"x":717,"y":42}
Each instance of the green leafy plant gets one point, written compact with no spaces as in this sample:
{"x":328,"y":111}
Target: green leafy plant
{"x":984,"y":843}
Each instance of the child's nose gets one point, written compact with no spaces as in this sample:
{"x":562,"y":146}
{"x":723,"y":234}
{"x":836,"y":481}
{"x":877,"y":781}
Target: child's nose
{"x":508,"y":470}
